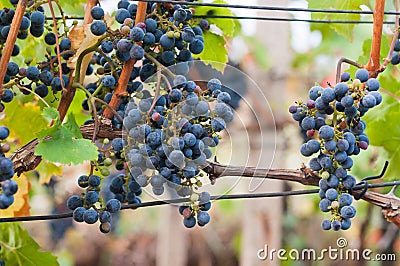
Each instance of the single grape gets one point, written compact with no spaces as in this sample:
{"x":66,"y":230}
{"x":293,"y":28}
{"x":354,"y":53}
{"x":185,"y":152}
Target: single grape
{"x":113,"y":205}
{"x":98,"y":27}
{"x":90,"y":216}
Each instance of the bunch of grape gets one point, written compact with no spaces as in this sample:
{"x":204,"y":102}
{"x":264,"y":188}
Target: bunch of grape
{"x":84,"y":208}
{"x":335,"y":131}
{"x":8,"y":187}
{"x":168,"y":35}
{"x":169,"y":138}
{"x":36,"y":76}
{"x":89,"y":206}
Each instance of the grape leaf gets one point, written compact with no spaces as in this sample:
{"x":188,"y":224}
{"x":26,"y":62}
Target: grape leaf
{"x":73,"y":126}
{"x":343,"y":29}
{"x":20,"y":207}
{"x":24,"y":124}
{"x":51,"y":113}
{"x":214,"y":51}
{"x":19,"y":249}
{"x":64,"y":144}
{"x":227,"y":26}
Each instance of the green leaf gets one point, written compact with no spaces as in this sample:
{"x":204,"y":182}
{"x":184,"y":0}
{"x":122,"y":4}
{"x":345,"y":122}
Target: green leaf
{"x":24,"y":124}
{"x":51,"y":113}
{"x":19,"y":249}
{"x":64,"y":144}
{"x":343,"y":29}
{"x":227,"y":26}
{"x":73,"y":126}
{"x":66,"y":150}
{"x":214,"y":51}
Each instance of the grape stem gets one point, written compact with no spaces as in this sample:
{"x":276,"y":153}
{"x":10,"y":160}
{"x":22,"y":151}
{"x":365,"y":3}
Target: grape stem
{"x":61,"y":13}
{"x":11,"y":38}
{"x":110,"y":62}
{"x":339,"y":66}
{"x":55,"y":30}
{"x":40,"y":98}
{"x":159,"y":65}
{"x":92,"y":97}
{"x":157,"y":92}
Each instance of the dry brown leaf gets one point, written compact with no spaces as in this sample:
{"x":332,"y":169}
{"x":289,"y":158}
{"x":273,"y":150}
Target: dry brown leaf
{"x":76,"y":35}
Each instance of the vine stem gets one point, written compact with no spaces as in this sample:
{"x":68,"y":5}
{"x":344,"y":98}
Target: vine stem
{"x":11,"y":38}
{"x":33,"y":92}
{"x":373,"y":65}
{"x":57,"y":44}
{"x":127,"y":69}
{"x":159,"y":65}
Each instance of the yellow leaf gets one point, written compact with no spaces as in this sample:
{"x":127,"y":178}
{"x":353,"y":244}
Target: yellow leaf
{"x":20,"y":207}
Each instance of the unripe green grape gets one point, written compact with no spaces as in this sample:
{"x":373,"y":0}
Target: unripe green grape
{"x":105,"y":172}
{"x":108,"y":162}
{"x":325,"y":175}
{"x":170,"y":34}
{"x":194,"y":197}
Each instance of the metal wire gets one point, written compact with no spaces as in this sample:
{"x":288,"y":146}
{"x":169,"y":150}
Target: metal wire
{"x":183,"y":200}
{"x":271,"y":8}
{"x":292,"y":19}
{"x":268,"y":19}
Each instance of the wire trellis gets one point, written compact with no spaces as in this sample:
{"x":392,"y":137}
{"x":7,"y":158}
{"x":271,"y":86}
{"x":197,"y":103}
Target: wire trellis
{"x":271,"y":8}
{"x":184,"y":200}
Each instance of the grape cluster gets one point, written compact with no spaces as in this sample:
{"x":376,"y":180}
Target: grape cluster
{"x":89,"y":206}
{"x":335,"y":132}
{"x":8,"y":187}
{"x":38,"y":77}
{"x":168,"y":36}
{"x":169,"y":139}
{"x":84,"y":208}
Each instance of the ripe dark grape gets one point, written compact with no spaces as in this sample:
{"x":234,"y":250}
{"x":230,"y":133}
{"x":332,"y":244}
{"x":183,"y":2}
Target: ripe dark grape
{"x":98,"y":27}
{"x":97,"y":12}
